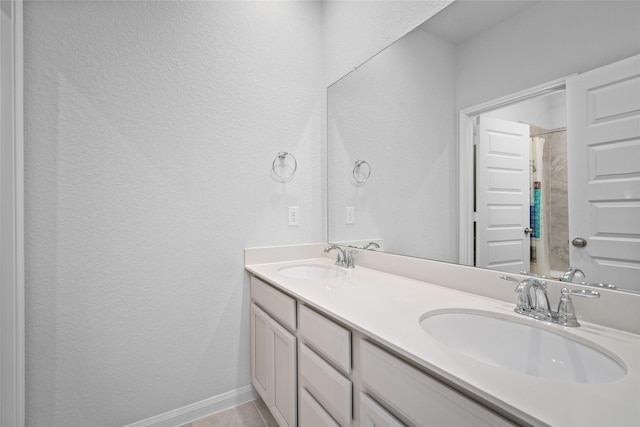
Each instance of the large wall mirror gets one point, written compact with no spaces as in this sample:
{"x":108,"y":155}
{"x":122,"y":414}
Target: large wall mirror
{"x":412,"y":132}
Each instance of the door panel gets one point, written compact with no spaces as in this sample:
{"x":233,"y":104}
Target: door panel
{"x":604,"y":172}
{"x":502,"y":195}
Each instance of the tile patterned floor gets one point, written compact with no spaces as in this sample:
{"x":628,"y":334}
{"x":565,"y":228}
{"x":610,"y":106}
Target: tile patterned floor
{"x":250,"y":414}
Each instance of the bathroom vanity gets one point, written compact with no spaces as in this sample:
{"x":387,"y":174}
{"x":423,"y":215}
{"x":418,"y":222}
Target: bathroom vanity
{"x":345,"y":347}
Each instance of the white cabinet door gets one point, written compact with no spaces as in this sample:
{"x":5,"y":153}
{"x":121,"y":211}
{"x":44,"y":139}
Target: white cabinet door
{"x":603,"y":141}
{"x":273,"y":366}
{"x":260,"y":353}
{"x":284,"y":375}
{"x":502,"y":195}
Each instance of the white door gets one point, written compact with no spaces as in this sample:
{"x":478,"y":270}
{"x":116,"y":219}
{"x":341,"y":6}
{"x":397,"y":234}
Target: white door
{"x":603,"y":137}
{"x":502,"y":195}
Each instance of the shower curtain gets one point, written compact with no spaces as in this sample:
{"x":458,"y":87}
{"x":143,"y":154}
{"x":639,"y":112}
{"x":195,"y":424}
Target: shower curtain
{"x":539,"y":194}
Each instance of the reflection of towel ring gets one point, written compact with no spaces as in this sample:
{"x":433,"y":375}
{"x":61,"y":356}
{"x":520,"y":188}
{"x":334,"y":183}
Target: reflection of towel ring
{"x":359,"y":175}
{"x":282,"y":171}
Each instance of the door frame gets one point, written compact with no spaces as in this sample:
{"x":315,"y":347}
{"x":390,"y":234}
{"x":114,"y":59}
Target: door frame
{"x":12,"y":308}
{"x":466,"y":166}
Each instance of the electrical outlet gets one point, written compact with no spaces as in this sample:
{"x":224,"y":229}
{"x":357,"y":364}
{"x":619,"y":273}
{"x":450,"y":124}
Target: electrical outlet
{"x":350,"y":215}
{"x":294,"y":216}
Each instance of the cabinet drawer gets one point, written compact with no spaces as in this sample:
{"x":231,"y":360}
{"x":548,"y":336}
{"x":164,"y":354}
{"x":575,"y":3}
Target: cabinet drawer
{"x":374,"y":415}
{"x":325,"y":336}
{"x":326,"y":385}
{"x":282,"y":307}
{"x":418,"y":397}
{"x":312,"y":414}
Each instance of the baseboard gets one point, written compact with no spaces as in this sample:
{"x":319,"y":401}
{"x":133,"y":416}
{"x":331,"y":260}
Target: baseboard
{"x":200,"y":409}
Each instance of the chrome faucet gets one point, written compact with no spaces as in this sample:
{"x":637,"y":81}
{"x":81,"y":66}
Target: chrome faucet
{"x":349,"y":258}
{"x":343,"y":258}
{"x":538,"y":307}
{"x":523,"y":303}
{"x":340,"y":257}
{"x":541,"y":309}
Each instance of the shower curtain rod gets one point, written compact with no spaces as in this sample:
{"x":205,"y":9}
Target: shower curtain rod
{"x":550,"y":131}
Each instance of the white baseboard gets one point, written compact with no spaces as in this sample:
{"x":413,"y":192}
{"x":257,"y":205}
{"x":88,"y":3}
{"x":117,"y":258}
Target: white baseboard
{"x":200,"y":409}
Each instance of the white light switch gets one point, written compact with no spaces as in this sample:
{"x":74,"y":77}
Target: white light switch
{"x":294,"y":216}
{"x":350,"y":215}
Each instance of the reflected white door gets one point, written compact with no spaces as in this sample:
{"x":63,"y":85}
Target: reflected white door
{"x":502,"y":195}
{"x":603,"y":137}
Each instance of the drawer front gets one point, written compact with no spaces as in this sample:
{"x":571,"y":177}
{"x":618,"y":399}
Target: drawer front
{"x":328,"y":338}
{"x":374,"y":415}
{"x":312,"y":414}
{"x":282,"y":307}
{"x":326,"y":385}
{"x":416,"y":396}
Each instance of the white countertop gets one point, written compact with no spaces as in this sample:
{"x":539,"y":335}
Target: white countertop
{"x":388,"y":309}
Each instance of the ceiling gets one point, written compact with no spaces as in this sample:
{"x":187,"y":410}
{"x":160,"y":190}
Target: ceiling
{"x":464,"y":18}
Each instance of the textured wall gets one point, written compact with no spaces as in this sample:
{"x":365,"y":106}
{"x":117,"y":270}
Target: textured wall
{"x":150,"y":132}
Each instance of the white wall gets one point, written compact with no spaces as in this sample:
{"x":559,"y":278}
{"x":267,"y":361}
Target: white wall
{"x":356,"y":30}
{"x":397,"y":112}
{"x":547,"y":41}
{"x":150,"y":132}
{"x":548,"y":112}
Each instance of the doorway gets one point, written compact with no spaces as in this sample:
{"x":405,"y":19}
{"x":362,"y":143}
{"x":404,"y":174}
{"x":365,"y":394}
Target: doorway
{"x":603,"y":186}
{"x":521,"y":199}
{"x":498,"y":223}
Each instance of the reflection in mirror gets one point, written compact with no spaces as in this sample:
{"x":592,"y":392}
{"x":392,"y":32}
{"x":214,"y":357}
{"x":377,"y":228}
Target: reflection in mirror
{"x":522,"y":220}
{"x":400,"y":111}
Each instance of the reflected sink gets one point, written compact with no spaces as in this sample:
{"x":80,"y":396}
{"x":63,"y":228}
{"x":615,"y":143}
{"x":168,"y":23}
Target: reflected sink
{"x":312,"y":272}
{"x":522,"y":348}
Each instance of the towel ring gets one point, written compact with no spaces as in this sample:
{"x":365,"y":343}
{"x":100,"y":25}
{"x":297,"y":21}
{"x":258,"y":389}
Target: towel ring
{"x":359,"y":175}
{"x":281,"y":170}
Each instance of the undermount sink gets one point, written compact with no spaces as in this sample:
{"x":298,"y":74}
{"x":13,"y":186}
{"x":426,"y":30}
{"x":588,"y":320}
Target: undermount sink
{"x":521,"y":347}
{"x":312,"y":272}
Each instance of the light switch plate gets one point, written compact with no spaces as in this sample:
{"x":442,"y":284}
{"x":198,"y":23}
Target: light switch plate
{"x":350,"y":215}
{"x":294,"y":216}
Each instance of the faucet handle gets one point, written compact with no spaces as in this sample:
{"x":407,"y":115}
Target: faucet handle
{"x":566,"y":311}
{"x":349,"y":254}
{"x":580,"y":293}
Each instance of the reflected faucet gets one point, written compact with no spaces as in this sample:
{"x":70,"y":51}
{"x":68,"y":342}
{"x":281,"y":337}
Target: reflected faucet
{"x":373,"y":245}
{"x":571,"y":274}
